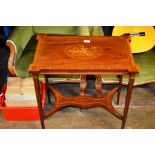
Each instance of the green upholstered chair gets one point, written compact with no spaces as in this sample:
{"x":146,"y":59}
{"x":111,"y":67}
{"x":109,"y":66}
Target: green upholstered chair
{"x":22,"y":42}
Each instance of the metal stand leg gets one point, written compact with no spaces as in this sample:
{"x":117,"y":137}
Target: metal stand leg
{"x":38,"y":96}
{"x":128,"y":98}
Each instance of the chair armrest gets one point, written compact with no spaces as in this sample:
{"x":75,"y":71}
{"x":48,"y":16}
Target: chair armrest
{"x":12,"y":47}
{"x":17,"y":41}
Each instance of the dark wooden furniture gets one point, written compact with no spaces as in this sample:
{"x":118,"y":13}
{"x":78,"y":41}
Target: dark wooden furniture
{"x":84,"y":55}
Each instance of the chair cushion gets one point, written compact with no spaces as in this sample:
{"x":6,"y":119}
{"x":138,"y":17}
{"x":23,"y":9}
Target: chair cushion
{"x":62,"y":30}
{"x":26,"y":58}
{"x":146,"y":62}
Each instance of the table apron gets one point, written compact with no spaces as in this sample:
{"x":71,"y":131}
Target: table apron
{"x":84,"y":72}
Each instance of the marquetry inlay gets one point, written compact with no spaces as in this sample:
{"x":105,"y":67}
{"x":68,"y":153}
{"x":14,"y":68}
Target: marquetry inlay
{"x":84,"y":52}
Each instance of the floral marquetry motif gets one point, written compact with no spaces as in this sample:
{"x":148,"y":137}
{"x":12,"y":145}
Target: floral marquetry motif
{"x":84,"y":52}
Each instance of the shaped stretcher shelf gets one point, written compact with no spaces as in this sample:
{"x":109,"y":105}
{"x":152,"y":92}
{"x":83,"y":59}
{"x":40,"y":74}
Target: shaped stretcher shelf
{"x":104,"y":101}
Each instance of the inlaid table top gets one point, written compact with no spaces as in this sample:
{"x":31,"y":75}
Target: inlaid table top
{"x":78,"y":53}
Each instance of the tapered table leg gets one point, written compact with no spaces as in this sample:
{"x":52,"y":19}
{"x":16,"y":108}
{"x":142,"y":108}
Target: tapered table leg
{"x":38,"y":96}
{"x":128,"y":98}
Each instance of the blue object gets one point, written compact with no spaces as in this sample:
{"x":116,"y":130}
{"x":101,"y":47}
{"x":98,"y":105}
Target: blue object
{"x":6,"y":30}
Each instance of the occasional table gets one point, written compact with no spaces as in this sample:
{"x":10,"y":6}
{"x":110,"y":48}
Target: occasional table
{"x":84,"y":55}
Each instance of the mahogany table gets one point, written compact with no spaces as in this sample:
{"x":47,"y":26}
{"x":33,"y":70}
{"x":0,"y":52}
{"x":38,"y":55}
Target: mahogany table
{"x":84,"y":55}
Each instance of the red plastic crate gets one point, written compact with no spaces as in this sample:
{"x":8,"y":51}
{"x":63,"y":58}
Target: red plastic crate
{"x":21,"y":113}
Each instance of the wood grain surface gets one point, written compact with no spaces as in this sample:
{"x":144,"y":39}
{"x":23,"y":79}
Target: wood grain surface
{"x":94,"y":54}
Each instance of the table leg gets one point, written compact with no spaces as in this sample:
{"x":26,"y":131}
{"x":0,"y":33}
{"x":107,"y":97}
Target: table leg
{"x":128,"y":98}
{"x":38,"y":96}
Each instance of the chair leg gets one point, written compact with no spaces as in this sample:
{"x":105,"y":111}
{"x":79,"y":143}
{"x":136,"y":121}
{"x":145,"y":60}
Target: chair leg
{"x":47,"y":90}
{"x":119,"y":90}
